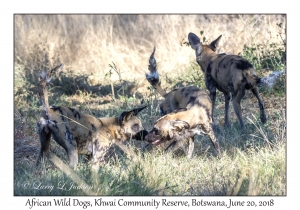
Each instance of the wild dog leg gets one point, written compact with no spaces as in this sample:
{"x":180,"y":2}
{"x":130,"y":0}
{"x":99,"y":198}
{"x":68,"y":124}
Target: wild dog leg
{"x":237,"y":105}
{"x":208,"y":129}
{"x":170,"y":146}
{"x":263,"y":117}
{"x":73,"y":156}
{"x":99,"y":151}
{"x":71,"y":148}
{"x":44,"y":136}
{"x":175,"y":145}
{"x":212,"y":93}
{"x":227,"y":99}
{"x":191,"y":147}
{"x":213,"y":100}
{"x":98,"y":157}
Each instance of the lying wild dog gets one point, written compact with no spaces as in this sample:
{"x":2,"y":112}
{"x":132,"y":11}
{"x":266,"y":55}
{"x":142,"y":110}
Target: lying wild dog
{"x":230,"y":74}
{"x":80,"y":133}
{"x":186,"y":112}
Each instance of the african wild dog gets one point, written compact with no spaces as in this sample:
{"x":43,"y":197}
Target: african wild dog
{"x":186,"y":112}
{"x":80,"y":133}
{"x":230,"y":74}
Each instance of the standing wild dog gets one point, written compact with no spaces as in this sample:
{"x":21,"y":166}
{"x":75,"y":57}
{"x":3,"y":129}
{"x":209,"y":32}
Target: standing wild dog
{"x":186,"y":112}
{"x":80,"y":133}
{"x":230,"y":74}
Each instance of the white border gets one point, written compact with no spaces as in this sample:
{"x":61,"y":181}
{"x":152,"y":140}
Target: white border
{"x":113,"y":6}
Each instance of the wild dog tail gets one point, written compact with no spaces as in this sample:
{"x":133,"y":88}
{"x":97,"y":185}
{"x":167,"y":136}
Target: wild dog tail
{"x":251,"y":77}
{"x":248,"y":72}
{"x":45,"y":78}
{"x":153,"y":77}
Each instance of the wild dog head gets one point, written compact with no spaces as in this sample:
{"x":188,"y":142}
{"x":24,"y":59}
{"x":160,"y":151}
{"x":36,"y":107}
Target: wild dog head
{"x":201,"y":50}
{"x":177,"y":126}
{"x":198,"y":46}
{"x":165,"y":130}
{"x":171,"y":128}
{"x":131,"y":125}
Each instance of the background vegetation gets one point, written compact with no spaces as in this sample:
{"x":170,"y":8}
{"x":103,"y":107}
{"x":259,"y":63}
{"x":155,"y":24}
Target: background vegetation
{"x":106,"y":57}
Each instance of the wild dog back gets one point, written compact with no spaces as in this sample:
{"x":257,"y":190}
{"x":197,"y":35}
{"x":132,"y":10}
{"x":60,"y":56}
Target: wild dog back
{"x":185,"y":98}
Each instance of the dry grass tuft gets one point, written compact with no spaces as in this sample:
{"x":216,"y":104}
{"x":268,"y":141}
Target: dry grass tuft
{"x":87,"y":44}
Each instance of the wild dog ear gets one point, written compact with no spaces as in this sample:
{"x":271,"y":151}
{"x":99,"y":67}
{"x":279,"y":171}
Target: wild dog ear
{"x":194,"y":40}
{"x":214,"y":44}
{"x":179,"y":125}
{"x":137,"y":110}
{"x":125,"y":116}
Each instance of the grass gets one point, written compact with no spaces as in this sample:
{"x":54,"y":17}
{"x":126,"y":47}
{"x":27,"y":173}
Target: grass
{"x":261,"y":170}
{"x":104,"y":84}
{"x":252,"y":163}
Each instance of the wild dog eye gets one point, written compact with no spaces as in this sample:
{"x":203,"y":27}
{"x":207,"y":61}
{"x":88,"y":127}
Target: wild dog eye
{"x":135,"y":127}
{"x":155,"y":130}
